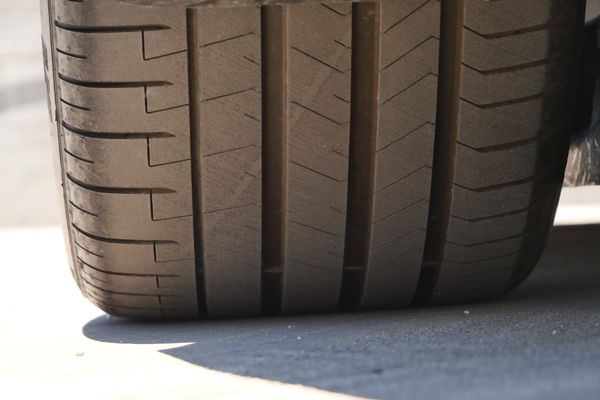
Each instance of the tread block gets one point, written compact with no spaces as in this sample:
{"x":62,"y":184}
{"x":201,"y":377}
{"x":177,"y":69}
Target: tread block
{"x":125,"y":216}
{"x":489,"y":90}
{"x":507,"y":17}
{"x":123,"y":84}
{"x":516,"y":63}
{"x":407,"y":26}
{"x":401,"y":120}
{"x":476,"y":170}
{"x":461,"y":262}
{"x":231,"y":137}
{"x":121,"y":256}
{"x":493,"y":55}
{"x":101,"y":163}
{"x":164,"y":28}
{"x":408,"y":85}
{"x":319,"y":115}
{"x":487,"y":204}
{"x":484,"y":128}
{"x":466,"y":233}
{"x":121,"y":112}
{"x":117,"y":59}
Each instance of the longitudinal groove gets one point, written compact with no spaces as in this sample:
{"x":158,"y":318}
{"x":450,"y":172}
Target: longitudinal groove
{"x":194,"y":89}
{"x":363,"y":144}
{"x":274,"y":130}
{"x":446,"y":134}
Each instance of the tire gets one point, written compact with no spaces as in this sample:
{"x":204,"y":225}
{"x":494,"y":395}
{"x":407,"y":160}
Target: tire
{"x":311,"y":157}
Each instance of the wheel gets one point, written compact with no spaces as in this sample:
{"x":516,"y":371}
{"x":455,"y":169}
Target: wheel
{"x":308,"y":157}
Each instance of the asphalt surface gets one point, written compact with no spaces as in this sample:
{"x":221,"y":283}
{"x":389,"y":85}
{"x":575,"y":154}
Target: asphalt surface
{"x":541,"y":342}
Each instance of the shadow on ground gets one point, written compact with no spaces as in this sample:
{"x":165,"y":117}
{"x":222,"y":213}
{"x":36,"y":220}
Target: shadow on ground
{"x":542,"y":341}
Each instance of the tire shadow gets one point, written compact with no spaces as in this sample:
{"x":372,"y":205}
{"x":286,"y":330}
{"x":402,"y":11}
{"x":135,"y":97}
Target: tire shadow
{"x":514,"y":346}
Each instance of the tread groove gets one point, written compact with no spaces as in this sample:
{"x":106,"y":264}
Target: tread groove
{"x":446,"y":135}
{"x":363,"y":146}
{"x":87,"y":250}
{"x":74,"y":105}
{"x":69,"y":54}
{"x":546,"y":93}
{"x":117,"y":190}
{"x":514,"y":32}
{"x":75,"y":156}
{"x":114,"y":135}
{"x":128,"y":293}
{"x":109,"y":29}
{"x":417,"y":9}
{"x":82,"y":210}
{"x":125,"y":273}
{"x":502,"y":239}
{"x":111,"y":85}
{"x":274,"y":144}
{"x":193,"y":45}
{"x":119,"y":241}
{"x":514,"y":68}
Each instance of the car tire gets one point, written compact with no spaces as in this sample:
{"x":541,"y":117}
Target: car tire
{"x":294,"y":158}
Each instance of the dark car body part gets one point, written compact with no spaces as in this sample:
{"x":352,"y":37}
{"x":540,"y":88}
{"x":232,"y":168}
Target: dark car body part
{"x":583,"y":167}
{"x":592,"y":14}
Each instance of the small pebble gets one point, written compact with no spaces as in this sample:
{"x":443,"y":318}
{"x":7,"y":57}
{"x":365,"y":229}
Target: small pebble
{"x":467,"y":312}
{"x":299,"y":337}
{"x":80,"y":354}
{"x":554,"y":332}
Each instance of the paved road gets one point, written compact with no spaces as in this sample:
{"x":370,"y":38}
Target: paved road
{"x":541,"y":342}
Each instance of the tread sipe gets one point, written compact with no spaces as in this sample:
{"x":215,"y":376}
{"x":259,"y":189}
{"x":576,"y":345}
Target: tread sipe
{"x":308,"y":157}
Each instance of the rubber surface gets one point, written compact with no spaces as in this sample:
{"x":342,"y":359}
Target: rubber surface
{"x":308,"y":157}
